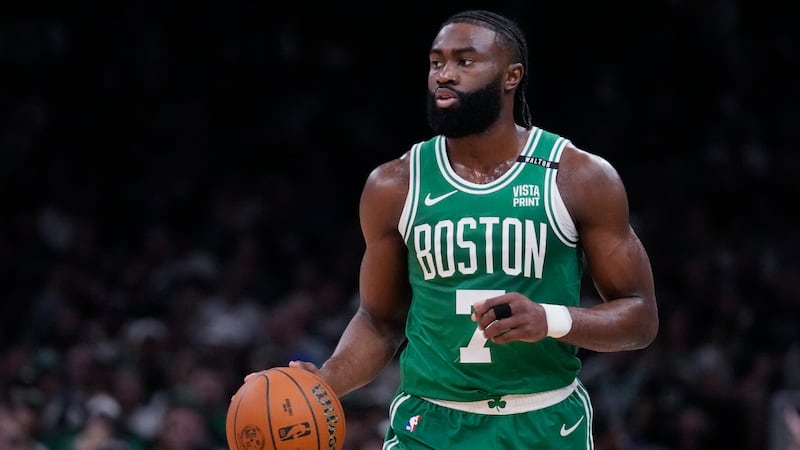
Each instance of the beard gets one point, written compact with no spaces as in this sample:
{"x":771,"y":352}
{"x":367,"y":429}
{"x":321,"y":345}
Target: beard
{"x":472,"y":114}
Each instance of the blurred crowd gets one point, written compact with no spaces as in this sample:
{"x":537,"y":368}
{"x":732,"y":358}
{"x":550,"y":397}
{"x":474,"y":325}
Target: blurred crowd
{"x":179,"y":208}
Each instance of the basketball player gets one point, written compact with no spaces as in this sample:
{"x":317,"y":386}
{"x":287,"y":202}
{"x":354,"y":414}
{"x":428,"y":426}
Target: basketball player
{"x":476,"y":242}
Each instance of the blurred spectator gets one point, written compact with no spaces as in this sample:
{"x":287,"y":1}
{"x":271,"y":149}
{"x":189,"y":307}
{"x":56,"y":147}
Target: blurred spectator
{"x":784,"y":421}
{"x":100,"y":430}
{"x":14,"y":435}
{"x":184,"y":428}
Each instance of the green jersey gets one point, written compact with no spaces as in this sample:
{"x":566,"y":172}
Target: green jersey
{"x":468,"y":242}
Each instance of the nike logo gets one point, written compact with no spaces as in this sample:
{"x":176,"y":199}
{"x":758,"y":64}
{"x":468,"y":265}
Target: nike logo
{"x":430,"y":201}
{"x":567,"y":431}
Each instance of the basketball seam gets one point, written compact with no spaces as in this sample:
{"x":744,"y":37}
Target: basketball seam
{"x":308,"y":403}
{"x":236,"y":416}
{"x":269,"y":411}
{"x":236,"y":431}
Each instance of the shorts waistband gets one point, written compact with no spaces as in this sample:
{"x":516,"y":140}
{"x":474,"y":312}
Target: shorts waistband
{"x":512,"y":403}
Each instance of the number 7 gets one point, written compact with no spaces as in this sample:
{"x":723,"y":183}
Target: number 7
{"x":474,"y":352}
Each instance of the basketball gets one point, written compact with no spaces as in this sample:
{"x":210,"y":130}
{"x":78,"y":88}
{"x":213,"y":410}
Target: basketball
{"x":285,"y":408}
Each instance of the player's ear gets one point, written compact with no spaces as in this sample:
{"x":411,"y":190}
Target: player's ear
{"x":514,"y":73}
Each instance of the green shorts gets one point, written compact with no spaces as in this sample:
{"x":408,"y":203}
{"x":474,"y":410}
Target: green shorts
{"x":417,"y":423}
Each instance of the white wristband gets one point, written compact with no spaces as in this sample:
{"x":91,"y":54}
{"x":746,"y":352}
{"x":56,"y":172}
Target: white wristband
{"x":559,"y":320}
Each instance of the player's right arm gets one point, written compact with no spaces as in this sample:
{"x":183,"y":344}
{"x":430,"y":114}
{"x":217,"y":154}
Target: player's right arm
{"x":376,"y":331}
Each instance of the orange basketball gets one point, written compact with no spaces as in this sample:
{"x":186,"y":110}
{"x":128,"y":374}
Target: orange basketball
{"x":285,"y":408}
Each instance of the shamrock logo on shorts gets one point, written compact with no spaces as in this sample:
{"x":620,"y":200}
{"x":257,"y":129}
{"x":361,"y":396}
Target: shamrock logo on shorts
{"x":497,"y":403}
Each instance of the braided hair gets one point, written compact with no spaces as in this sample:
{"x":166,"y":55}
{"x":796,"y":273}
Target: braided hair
{"x":514,"y":38}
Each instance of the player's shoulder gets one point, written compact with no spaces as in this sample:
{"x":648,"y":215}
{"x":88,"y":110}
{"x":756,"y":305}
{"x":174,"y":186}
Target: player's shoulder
{"x":390,"y":179}
{"x":395,"y":173}
{"x":586,"y":180}
{"x":582,"y":166}
{"x":392,"y":172}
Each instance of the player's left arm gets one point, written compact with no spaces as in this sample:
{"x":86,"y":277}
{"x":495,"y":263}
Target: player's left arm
{"x":618,"y":263}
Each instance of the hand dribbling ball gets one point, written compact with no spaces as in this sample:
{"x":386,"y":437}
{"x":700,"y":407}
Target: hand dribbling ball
{"x":285,"y":408}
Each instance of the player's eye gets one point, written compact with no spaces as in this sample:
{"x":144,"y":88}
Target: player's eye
{"x":465,"y":62}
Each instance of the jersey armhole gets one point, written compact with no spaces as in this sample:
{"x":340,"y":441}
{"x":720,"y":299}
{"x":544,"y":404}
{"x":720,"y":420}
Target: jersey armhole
{"x":557,"y":212}
{"x":412,"y":197}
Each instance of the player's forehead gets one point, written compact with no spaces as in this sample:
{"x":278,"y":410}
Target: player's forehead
{"x":460,"y":36}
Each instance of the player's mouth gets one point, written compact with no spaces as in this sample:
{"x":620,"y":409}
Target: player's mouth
{"x":445,"y":97}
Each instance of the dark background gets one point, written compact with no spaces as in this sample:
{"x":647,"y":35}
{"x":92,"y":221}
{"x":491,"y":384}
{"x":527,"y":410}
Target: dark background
{"x":179,"y":187}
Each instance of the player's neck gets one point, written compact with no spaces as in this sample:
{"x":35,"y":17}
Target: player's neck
{"x":485,"y":156}
{"x":501,"y":141}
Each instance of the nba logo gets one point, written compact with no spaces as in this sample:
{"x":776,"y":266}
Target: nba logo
{"x":412,"y":423}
